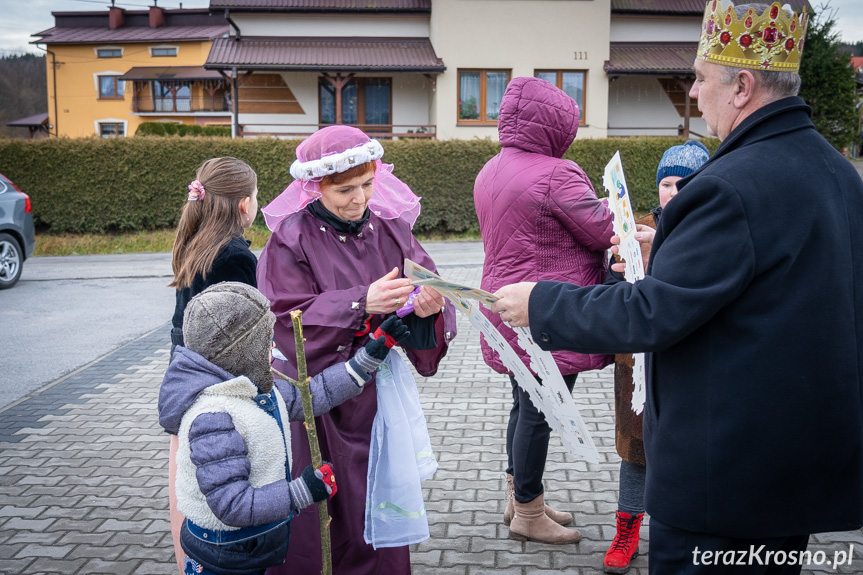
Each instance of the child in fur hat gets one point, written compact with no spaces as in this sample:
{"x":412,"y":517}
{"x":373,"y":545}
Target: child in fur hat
{"x":233,"y":475}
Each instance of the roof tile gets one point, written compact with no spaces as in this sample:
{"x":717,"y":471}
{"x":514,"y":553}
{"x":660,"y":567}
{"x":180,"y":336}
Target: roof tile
{"x":651,"y":58}
{"x":130,"y":34}
{"x":680,"y":7}
{"x":325,"y":5}
{"x":321,"y":54}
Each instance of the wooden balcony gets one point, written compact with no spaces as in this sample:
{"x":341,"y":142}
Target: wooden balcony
{"x":146,"y":104}
{"x":299,"y":131}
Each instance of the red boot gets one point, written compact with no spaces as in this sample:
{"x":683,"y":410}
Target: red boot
{"x":624,"y":548}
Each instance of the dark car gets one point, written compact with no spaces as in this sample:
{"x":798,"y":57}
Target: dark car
{"x":17,"y":235}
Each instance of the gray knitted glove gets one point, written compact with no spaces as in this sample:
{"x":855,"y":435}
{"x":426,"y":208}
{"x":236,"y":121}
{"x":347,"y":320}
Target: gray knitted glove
{"x":313,"y":485}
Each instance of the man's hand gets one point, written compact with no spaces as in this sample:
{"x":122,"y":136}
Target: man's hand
{"x":644,"y":235}
{"x":513,"y":303}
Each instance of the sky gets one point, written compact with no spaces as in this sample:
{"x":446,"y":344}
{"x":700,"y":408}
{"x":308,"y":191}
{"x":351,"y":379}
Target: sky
{"x":21,"y":18}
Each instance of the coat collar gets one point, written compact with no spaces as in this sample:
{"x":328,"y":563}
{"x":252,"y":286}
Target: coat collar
{"x":780,"y":117}
{"x":318,"y":210}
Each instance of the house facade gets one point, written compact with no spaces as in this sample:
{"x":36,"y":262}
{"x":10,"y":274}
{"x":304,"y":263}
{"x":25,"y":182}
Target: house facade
{"x":410,"y":68}
{"x":110,"y":71}
{"x":394,"y":68}
{"x":652,"y":48}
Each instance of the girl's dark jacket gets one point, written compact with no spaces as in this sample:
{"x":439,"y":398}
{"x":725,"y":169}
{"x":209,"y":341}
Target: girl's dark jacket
{"x":752,"y":310}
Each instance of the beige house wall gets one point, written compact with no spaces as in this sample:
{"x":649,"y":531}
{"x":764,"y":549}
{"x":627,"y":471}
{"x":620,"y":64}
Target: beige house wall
{"x":655,"y":29}
{"x":520,"y":36}
{"x":324,"y":26}
{"x":640,"y":101}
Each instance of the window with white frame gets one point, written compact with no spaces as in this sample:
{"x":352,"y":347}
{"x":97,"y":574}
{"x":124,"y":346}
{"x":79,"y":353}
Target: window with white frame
{"x":570,"y":81}
{"x":109,"y":52}
{"x":112,"y":129}
{"x":479,"y":95}
{"x":163,"y":51}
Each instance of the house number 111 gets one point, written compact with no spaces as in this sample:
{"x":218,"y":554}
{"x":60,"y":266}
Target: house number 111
{"x":579,"y":56}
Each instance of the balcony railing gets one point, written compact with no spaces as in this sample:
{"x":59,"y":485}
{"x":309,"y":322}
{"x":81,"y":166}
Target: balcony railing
{"x":206,"y":103}
{"x":381,"y":131}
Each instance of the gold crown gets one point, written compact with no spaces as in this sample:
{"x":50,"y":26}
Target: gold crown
{"x":769,"y":41}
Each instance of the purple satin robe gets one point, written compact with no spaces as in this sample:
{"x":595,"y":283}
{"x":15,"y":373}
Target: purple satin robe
{"x":306,"y":265}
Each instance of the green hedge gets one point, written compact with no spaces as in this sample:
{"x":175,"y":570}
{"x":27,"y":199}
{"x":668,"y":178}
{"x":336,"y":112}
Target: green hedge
{"x":130,"y":184}
{"x":170,"y":129}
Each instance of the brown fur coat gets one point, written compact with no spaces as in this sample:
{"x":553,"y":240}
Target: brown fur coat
{"x":629,"y":438}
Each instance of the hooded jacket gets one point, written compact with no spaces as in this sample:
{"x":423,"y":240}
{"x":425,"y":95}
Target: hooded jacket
{"x":539,"y":217}
{"x":231,"y":468}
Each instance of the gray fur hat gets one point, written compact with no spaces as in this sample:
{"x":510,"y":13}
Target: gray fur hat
{"x":230,"y":324}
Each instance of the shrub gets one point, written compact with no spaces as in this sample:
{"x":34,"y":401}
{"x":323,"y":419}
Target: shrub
{"x":131,"y":184}
{"x":171,"y":129}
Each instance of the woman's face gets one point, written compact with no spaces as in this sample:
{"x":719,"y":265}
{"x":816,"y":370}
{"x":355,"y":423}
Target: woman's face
{"x":349,"y":199}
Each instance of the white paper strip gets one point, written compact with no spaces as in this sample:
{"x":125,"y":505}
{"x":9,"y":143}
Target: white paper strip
{"x":552,"y":398}
{"x":630,"y":250}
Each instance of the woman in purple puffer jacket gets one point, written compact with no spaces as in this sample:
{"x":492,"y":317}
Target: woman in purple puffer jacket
{"x":540,"y":219}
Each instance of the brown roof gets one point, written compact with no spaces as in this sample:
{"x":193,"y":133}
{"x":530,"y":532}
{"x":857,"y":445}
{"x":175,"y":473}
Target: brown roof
{"x":129,"y":34}
{"x":324,"y":5}
{"x":164,"y":73}
{"x":326,"y":54}
{"x":651,"y":59}
{"x":29,"y":121}
{"x":678,"y":7}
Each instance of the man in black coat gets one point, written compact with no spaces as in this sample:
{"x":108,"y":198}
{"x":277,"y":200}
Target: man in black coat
{"x":752,"y":314}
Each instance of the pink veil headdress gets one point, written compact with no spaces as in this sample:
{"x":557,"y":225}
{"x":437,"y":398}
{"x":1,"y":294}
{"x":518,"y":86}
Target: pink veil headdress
{"x":336,"y":149}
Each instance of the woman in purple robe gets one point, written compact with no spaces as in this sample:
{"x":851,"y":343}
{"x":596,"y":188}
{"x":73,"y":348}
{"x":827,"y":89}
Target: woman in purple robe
{"x":341,"y":232}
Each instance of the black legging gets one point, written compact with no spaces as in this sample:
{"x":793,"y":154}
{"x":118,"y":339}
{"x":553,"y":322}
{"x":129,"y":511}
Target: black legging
{"x":527,"y":442}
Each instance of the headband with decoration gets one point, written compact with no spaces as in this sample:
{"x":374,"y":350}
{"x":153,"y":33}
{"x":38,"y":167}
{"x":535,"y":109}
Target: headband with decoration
{"x":336,"y":149}
{"x":770,"y":41}
{"x":337,"y":163}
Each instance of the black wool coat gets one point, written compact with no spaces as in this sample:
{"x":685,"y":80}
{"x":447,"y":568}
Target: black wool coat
{"x":752,"y":314}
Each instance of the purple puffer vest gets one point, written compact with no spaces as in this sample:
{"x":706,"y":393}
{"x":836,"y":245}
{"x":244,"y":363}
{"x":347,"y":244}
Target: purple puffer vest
{"x":539,"y":216}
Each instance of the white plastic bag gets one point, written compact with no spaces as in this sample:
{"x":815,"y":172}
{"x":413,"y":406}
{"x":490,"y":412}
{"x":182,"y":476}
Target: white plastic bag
{"x":400,"y":458}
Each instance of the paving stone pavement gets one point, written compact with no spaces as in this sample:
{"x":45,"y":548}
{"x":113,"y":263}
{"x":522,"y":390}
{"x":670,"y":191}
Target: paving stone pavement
{"x":83,"y":485}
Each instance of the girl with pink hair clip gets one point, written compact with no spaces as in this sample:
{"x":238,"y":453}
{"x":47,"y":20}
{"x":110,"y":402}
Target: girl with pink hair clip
{"x":209,"y":248}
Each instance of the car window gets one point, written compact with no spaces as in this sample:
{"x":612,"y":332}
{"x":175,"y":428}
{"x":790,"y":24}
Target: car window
{"x":3,"y":186}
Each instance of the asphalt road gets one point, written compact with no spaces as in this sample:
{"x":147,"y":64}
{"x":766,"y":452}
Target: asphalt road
{"x":67,"y":312}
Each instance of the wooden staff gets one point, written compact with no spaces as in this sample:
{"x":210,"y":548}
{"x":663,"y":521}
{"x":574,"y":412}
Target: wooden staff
{"x":302,"y":383}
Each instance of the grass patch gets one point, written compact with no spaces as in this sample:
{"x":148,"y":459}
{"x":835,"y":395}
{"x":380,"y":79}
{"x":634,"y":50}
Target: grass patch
{"x":48,"y":244}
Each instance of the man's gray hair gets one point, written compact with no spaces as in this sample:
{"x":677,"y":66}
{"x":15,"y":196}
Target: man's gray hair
{"x":778,"y":84}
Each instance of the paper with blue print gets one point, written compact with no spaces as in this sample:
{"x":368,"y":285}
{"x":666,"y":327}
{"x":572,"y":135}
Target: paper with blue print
{"x":630,"y":250}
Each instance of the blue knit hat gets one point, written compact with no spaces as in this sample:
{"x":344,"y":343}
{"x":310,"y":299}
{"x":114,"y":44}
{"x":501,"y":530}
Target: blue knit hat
{"x":682,"y":160}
